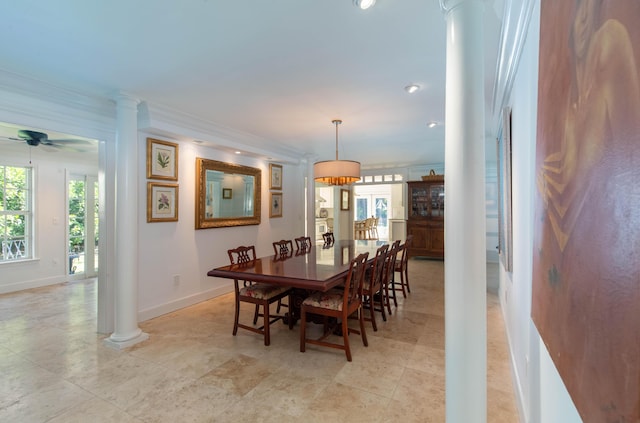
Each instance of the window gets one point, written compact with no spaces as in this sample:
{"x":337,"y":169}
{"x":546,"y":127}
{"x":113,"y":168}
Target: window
{"x":15,"y":213}
{"x":377,"y":179}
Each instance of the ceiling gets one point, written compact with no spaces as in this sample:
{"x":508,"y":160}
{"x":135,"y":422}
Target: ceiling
{"x":279,"y":71}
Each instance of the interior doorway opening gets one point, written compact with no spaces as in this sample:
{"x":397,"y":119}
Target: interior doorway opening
{"x":82,"y":226}
{"x":382,"y":201}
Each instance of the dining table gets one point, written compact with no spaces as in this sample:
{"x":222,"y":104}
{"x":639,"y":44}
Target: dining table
{"x":318,"y":268}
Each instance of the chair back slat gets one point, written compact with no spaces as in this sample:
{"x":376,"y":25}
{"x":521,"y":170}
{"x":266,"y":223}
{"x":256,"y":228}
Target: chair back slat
{"x":303,"y":243}
{"x":390,"y":262}
{"x":355,"y":278}
{"x":283,"y":248}
{"x":242,"y":254}
{"x":378,"y":268}
{"x":405,"y":251}
{"x":328,"y":238}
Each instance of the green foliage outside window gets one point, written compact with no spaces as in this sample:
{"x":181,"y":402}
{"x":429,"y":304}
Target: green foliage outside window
{"x":15,"y":212}
{"x":77,"y":216}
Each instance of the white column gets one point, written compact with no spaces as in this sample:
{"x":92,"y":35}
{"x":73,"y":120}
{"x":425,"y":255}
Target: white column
{"x":126,"y":331}
{"x":465,"y":256}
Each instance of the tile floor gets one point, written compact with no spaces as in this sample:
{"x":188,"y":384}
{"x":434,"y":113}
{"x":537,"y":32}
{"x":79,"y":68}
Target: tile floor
{"x":55,"y":368}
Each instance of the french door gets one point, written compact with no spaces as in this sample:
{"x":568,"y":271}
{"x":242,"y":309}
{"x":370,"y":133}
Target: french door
{"x":376,"y":205}
{"x":82,"y":226}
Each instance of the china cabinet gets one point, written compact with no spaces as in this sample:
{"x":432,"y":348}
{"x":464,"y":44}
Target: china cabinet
{"x":426,"y":217}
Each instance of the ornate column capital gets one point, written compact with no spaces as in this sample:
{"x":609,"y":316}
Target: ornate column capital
{"x":124,"y":99}
{"x":447,"y":5}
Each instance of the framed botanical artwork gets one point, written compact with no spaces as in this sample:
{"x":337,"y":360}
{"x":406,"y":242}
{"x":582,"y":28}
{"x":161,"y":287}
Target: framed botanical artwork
{"x":162,"y":160}
{"x":162,"y":202}
{"x":275,"y":176}
{"x":227,"y":194}
{"x":275,"y":209}
{"x":345,"y":196}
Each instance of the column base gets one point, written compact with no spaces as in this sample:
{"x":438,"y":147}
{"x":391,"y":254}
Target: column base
{"x":120,"y":345}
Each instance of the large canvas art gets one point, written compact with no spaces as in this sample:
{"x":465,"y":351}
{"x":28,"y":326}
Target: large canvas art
{"x":586,"y":256}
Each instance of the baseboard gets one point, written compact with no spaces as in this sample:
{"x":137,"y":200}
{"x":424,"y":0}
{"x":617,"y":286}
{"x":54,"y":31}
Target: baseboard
{"x":517,"y":384}
{"x":190,"y":300}
{"x":34,"y":283}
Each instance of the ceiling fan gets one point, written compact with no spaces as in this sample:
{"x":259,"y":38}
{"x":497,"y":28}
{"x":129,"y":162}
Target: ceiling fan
{"x":35,"y":138}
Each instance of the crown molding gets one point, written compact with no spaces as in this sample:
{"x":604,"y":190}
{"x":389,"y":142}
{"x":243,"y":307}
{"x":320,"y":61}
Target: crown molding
{"x":162,"y":120}
{"x":60,"y":95}
{"x":515,"y":25}
{"x":48,"y":106}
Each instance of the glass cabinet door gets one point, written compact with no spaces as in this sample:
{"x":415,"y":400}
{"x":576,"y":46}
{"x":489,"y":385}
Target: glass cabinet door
{"x":419,"y":201}
{"x":437,"y":200}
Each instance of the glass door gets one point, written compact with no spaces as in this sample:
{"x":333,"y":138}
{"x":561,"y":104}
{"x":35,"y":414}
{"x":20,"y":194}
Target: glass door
{"x":82,"y":226}
{"x":374,"y":205}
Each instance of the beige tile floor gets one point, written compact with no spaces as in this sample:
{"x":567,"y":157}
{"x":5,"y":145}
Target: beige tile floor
{"x":55,"y":368}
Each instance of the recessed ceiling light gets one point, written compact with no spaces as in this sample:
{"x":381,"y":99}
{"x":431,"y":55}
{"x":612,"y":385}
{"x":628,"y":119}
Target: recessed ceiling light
{"x":198,"y":142}
{"x":432,"y":124}
{"x":412,"y":88}
{"x":364,"y":4}
{"x":238,"y":152}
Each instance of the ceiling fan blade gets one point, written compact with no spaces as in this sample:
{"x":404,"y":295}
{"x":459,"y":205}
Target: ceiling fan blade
{"x":70,"y":141}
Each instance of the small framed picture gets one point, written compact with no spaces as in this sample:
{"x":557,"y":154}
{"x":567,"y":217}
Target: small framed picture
{"x":275,"y":210}
{"x":162,"y":202}
{"x":162,"y":160}
{"x":275,"y":173}
{"x":345,"y":196}
{"x":227,"y":194}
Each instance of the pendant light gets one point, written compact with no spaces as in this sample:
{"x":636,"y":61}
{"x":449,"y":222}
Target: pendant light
{"x":337,"y":172}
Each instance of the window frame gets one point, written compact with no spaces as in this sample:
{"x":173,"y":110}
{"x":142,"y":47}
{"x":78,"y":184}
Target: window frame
{"x":27,"y":211}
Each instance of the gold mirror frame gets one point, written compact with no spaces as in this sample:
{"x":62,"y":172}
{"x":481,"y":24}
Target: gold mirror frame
{"x":202,"y":222}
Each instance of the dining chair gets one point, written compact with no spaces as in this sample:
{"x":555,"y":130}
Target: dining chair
{"x":371,"y":287}
{"x":282,"y":249}
{"x":368,"y":224}
{"x":338,"y":304}
{"x":373,"y":230}
{"x":401,"y":267}
{"x":387,"y":276}
{"x":303,"y":243}
{"x":328,"y":238}
{"x":260,"y":294}
{"x":359,"y":229}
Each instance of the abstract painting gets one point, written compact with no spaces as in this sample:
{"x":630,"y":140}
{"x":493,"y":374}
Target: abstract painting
{"x":586,"y":252}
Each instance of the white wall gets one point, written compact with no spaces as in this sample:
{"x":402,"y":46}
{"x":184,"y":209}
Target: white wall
{"x":540,"y":392}
{"x":166,"y":249}
{"x":169,"y":249}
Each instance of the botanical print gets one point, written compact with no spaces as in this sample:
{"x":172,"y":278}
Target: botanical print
{"x":586,"y":271}
{"x":162,"y":202}
{"x":276,"y":176}
{"x":163,"y":164}
{"x":163,"y":205}
{"x":276,"y":205}
{"x":162,"y":159}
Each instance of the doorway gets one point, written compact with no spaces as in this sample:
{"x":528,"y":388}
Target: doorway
{"x":374,"y":200}
{"x":82,"y":226}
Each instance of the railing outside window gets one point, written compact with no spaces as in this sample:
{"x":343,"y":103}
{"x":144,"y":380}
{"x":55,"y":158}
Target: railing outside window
{"x":14,"y":249}
{"x":15,"y":212}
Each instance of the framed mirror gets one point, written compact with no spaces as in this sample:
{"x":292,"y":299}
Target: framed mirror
{"x":226,"y":194}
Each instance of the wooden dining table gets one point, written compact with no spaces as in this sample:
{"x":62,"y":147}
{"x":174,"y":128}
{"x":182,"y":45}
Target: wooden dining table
{"x":318,"y":269}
